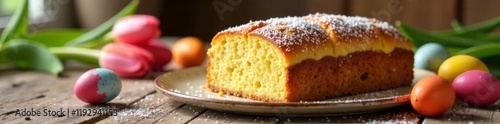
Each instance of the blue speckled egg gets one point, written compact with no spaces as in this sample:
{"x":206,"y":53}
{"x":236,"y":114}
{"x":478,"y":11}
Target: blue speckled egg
{"x":430,"y":56}
{"x":97,"y":86}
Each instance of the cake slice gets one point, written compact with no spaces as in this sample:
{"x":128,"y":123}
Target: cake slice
{"x":308,"y":58}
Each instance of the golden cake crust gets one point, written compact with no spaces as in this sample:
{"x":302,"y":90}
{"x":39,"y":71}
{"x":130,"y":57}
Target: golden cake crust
{"x":326,"y":56}
{"x":296,"y":38}
{"x":352,"y":34}
{"x":318,"y":35}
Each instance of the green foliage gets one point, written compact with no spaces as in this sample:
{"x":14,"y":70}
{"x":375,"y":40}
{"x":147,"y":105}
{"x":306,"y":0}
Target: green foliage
{"x":44,"y":50}
{"x":31,"y":55}
{"x":475,"y":40}
{"x":18,"y":25}
{"x":55,"y":38}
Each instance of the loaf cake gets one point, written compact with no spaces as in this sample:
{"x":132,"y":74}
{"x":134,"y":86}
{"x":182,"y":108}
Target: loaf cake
{"x":314,"y":57}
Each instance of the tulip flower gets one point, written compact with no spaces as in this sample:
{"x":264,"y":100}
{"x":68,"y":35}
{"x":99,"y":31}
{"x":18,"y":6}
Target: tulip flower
{"x":161,"y":53}
{"x":138,"y":30}
{"x":128,"y":61}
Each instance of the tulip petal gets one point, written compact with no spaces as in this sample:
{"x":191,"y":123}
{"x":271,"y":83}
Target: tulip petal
{"x":160,"y":52}
{"x":136,"y":29}
{"x":131,"y":51}
{"x":119,"y":63}
{"x":126,"y":60}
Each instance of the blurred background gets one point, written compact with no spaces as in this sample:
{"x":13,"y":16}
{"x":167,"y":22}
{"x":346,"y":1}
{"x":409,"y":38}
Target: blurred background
{"x":204,"y":18}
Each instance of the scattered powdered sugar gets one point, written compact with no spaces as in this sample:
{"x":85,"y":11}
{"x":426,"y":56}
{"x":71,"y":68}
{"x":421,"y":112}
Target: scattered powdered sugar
{"x":347,"y":26}
{"x":245,"y":28}
{"x":388,"y":122}
{"x":292,"y":32}
{"x":138,"y":111}
{"x":356,"y":26}
{"x":144,"y":108}
{"x":390,"y":30}
{"x":398,"y":117}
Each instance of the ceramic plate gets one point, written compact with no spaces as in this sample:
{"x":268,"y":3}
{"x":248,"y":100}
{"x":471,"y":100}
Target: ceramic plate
{"x":188,"y":86}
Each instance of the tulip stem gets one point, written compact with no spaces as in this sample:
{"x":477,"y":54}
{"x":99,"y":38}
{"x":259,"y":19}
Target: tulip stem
{"x":108,"y":38}
{"x":84,"y":55}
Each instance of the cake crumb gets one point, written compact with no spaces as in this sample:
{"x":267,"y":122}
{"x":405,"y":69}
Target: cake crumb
{"x":203,"y":87}
{"x":220,"y":94}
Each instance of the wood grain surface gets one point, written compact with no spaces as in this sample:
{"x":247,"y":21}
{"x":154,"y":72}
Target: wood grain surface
{"x":138,"y":102}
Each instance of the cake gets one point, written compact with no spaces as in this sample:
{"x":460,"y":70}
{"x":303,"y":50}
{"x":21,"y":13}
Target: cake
{"x":309,"y":58}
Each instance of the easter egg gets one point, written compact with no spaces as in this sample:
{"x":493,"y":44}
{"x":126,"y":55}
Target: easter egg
{"x":477,"y":88}
{"x":432,"y":96}
{"x":189,"y":51}
{"x":459,"y":64}
{"x":97,"y":86}
{"x":430,"y":56}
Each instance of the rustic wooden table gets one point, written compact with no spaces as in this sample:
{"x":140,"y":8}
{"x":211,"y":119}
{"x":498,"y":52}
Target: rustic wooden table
{"x":138,"y":102}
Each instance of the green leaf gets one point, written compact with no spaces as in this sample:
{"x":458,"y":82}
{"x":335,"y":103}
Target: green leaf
{"x":479,"y":28}
{"x":55,"y":38}
{"x":18,"y":24}
{"x":482,"y":51}
{"x":493,"y":65}
{"x":457,"y":27}
{"x":454,"y":50}
{"x":104,"y":28}
{"x":419,"y":38}
{"x":84,"y":55}
{"x":98,"y":43}
{"x":31,"y":55}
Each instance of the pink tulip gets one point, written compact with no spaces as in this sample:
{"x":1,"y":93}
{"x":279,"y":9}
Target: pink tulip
{"x":128,"y":61}
{"x":136,"y":29}
{"x":161,"y":53}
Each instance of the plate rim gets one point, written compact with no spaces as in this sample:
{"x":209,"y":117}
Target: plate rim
{"x":384,"y":100}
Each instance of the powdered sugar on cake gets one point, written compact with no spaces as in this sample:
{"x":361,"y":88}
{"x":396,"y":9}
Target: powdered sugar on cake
{"x":355,"y":27}
{"x":344,"y":26}
{"x":290,"y":32}
{"x":305,"y":32}
{"x":245,"y":28}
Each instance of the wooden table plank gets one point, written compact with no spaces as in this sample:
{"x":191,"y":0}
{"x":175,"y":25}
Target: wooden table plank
{"x":60,"y":95}
{"x":54,"y":93}
{"x":402,"y":114}
{"x":132,"y":91}
{"x":495,"y":109}
{"x":37,"y":83}
{"x":5,"y":75}
{"x":13,"y":83}
{"x":37,"y":90}
{"x":461,"y":113}
{"x":182,"y":115}
{"x":168,"y":108}
{"x":496,"y":112}
{"x":147,"y":110}
{"x":211,"y":116}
